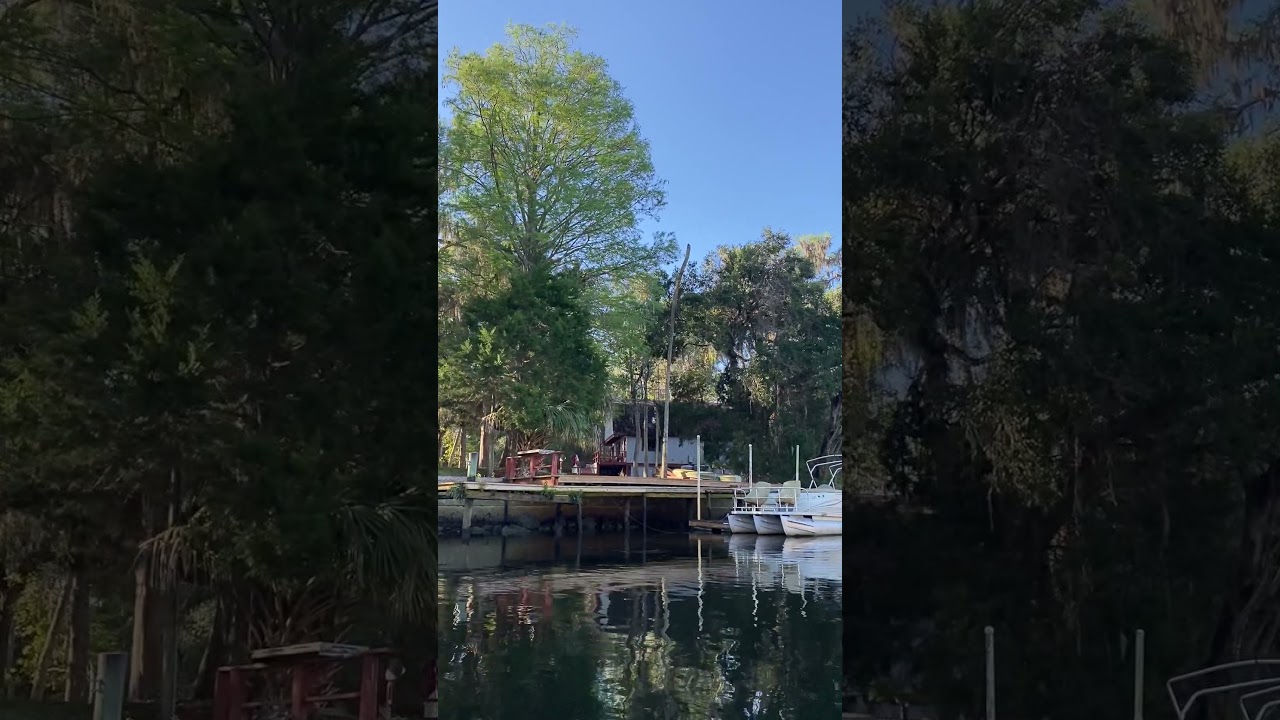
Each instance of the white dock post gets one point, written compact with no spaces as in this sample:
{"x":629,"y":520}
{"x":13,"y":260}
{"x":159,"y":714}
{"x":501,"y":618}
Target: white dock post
{"x":750,"y":482}
{"x":797,"y":463}
{"x":1139,"y":663}
{"x":990,"y":634}
{"x":109,"y":690}
{"x":697,"y":450}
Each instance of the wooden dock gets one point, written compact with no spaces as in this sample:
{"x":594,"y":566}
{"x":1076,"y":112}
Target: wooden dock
{"x":595,"y":484}
{"x":574,"y":490}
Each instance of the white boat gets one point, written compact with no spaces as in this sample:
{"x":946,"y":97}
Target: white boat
{"x":747,"y":503}
{"x":740,"y":523}
{"x":755,"y":510}
{"x":790,"y":509}
{"x":767,"y":523}
{"x":798,"y":525}
{"x":817,"y":509}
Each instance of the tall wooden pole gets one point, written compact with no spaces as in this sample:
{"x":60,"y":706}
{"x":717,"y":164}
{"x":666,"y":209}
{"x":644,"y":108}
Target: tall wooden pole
{"x":671,"y":347}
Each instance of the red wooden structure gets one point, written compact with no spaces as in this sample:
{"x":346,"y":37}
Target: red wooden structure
{"x":611,"y":458}
{"x":533,"y":466}
{"x":306,"y":664}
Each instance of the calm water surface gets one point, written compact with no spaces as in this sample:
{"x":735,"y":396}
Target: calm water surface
{"x":614,"y":627}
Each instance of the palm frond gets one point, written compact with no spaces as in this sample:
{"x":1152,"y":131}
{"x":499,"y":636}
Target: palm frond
{"x":174,"y":551}
{"x":390,"y":555}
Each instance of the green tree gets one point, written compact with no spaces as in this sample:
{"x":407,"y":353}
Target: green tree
{"x":763,"y":312}
{"x":542,"y":160}
{"x":214,"y":277}
{"x":530,"y":349}
{"x":544,"y":179}
{"x":1072,"y":284}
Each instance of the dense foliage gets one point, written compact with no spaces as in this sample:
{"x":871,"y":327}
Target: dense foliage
{"x":215,"y":348}
{"x":554,"y":312}
{"x":1060,"y":320}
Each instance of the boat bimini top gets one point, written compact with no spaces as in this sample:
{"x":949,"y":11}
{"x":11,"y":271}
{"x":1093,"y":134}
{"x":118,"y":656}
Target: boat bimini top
{"x":824,"y":469}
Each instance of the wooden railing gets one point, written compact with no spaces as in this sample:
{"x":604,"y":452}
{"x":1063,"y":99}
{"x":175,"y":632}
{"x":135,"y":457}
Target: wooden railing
{"x":528,"y":468}
{"x":611,"y":454}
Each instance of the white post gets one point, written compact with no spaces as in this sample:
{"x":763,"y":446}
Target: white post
{"x":109,"y":690}
{"x":697,"y":451}
{"x":797,"y":463}
{"x":750,"y":483}
{"x":1139,"y":661}
{"x":990,"y":634}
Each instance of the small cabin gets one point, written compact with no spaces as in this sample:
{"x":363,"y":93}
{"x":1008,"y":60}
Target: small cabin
{"x":622,"y":453}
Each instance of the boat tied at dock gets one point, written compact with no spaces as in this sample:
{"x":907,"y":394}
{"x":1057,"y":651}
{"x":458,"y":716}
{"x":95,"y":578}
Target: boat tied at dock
{"x":790,"y":508}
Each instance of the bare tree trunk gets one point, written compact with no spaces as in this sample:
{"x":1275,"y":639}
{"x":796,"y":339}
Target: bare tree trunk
{"x":169,"y":612}
{"x":635,"y":417}
{"x":1249,"y":622}
{"x":671,"y":348}
{"x":215,"y":647}
{"x":832,"y":443}
{"x":11,"y":651}
{"x":486,"y":444}
{"x":144,"y":647}
{"x":51,"y":634}
{"x":76,"y":687}
{"x":650,"y":429}
{"x":462,"y":448}
{"x":9,"y":592}
{"x":643,"y":443}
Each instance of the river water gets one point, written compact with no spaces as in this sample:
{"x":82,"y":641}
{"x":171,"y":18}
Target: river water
{"x":633,"y":627}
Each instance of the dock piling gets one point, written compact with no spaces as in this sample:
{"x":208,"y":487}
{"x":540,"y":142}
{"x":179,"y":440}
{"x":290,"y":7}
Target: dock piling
{"x":559,"y":520}
{"x":626,"y":528}
{"x":468,"y":506}
{"x":1139,"y":662}
{"x":697,"y":451}
{"x":990,"y":634}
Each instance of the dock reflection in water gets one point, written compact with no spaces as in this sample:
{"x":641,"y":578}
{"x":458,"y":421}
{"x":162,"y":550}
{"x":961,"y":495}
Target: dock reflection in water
{"x":686,"y":627}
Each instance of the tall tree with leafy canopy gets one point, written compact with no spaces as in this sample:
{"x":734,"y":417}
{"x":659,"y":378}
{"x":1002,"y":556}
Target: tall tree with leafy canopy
{"x":1073,"y":288}
{"x":530,"y":349}
{"x":544,"y":179}
{"x":542,"y":161}
{"x":762,"y":310}
{"x":220,"y":224}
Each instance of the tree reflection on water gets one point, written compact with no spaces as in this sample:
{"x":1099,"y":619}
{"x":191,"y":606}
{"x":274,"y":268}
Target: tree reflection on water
{"x":747,"y":634}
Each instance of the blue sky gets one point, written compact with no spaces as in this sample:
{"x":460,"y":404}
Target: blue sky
{"x":740,"y":103}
